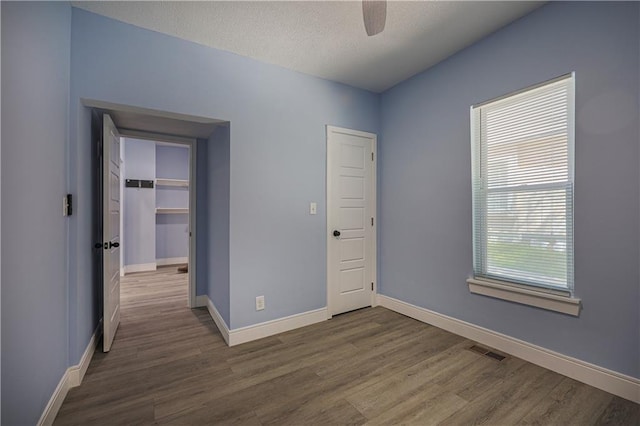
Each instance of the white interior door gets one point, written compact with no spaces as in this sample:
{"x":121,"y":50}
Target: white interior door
{"x":111,"y":230}
{"x":350,"y":219}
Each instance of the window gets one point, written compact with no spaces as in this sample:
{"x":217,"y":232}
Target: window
{"x":522,"y":167}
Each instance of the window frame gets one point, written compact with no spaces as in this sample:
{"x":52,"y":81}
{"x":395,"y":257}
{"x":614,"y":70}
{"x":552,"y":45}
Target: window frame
{"x":545,"y":296}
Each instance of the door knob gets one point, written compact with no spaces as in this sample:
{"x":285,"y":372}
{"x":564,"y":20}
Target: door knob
{"x":336,"y":233}
{"x":116,"y":245}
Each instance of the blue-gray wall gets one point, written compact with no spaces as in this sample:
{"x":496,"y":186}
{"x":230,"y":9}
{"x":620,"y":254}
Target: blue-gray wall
{"x":425,"y":186}
{"x":172,"y":236}
{"x":35,"y":95}
{"x":218,"y":199}
{"x":172,"y":230}
{"x":277,"y":153}
{"x":139,"y":222}
{"x":172,"y":162}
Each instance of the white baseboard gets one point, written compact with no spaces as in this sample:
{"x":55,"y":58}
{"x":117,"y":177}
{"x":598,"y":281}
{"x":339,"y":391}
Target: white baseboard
{"x":71,"y":378}
{"x":610,"y":381}
{"x":55,"y":402}
{"x":201,"y":301}
{"x":265,"y":329}
{"x":172,"y":261}
{"x":77,"y":372}
{"x":204,"y":300}
{"x":140,"y":267}
{"x":269,"y":328}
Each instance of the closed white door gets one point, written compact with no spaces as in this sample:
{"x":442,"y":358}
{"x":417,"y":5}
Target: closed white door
{"x":111,"y":230}
{"x":350,"y":219}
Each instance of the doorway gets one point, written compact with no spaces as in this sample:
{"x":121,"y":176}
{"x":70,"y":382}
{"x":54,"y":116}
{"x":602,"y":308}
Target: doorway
{"x":165,"y":129}
{"x":155,"y":222}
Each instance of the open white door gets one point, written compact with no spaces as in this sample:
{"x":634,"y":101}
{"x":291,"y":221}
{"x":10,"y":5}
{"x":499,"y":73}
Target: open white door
{"x":111,"y":230}
{"x":351,"y":247}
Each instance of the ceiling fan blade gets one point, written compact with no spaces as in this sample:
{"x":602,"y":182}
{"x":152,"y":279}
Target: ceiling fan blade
{"x":375,"y":15}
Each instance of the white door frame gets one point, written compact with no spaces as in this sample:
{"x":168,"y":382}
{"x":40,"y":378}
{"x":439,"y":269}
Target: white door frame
{"x":372,"y":206}
{"x":123,"y":173}
{"x":191,"y":143}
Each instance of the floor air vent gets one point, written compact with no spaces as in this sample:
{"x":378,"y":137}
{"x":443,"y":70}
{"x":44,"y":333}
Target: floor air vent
{"x":486,"y":352}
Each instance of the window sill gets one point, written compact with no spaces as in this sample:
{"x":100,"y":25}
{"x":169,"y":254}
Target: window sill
{"x":514,"y":293}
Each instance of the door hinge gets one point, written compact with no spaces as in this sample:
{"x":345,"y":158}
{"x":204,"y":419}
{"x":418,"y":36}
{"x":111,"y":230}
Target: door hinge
{"x":371,"y":286}
{"x":371,"y":221}
{"x":372,"y":156}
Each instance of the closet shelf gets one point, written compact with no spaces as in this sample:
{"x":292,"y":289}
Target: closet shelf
{"x":172,"y":182}
{"x":170,"y":210}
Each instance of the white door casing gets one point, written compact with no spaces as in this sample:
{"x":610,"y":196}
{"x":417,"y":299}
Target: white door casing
{"x":351,"y":205}
{"x":110,"y":230}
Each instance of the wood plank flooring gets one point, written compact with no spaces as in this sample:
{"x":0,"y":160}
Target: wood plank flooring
{"x":170,"y":365}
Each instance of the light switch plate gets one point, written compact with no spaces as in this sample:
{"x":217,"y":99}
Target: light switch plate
{"x":313,"y":208}
{"x":259,"y":303}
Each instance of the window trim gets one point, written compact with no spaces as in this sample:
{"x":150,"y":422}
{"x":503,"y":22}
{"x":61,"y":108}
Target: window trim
{"x":554,"y":299}
{"x":539,"y":297}
{"x":525,"y":89}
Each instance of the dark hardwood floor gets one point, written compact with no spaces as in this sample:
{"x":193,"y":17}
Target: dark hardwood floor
{"x":170,"y":365}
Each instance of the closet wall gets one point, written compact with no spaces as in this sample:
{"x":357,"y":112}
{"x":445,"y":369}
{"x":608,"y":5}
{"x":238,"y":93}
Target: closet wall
{"x":155,"y":220}
{"x":172,"y":203}
{"x":138,"y":223}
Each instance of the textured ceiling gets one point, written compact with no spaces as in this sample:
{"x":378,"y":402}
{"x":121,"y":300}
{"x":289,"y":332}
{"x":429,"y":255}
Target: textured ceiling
{"x":322,"y":38}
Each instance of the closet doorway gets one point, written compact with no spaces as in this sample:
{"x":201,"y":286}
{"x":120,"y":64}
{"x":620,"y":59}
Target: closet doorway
{"x":158,"y":204}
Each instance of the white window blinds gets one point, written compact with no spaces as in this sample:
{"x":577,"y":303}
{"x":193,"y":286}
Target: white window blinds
{"x":522,"y":155}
